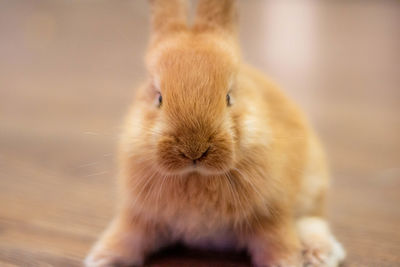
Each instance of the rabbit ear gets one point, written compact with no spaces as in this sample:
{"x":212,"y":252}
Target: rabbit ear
{"x":168,"y":16}
{"x":216,"y":15}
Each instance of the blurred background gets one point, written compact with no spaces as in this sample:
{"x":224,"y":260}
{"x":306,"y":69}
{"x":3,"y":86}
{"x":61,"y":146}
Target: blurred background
{"x":68,"y":71}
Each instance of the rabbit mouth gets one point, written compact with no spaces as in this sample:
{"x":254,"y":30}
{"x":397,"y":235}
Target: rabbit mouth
{"x":206,"y":156}
{"x":211,"y":161}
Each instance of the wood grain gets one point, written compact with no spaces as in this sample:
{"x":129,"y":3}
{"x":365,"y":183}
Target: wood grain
{"x":68,"y":70}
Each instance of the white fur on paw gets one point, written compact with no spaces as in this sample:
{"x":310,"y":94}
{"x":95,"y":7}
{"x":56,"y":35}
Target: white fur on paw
{"x":107,"y":259}
{"x":320,"y":248}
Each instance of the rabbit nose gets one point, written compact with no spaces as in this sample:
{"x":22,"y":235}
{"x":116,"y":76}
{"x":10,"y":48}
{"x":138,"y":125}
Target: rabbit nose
{"x":196,"y":155}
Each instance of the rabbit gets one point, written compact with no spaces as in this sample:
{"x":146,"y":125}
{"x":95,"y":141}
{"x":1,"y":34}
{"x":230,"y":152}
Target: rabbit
{"x":214,"y":155}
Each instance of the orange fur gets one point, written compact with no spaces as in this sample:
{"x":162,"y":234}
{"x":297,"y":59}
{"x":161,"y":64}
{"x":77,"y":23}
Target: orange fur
{"x":203,"y":172}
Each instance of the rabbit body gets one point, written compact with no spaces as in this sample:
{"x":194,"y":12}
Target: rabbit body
{"x":214,"y":155}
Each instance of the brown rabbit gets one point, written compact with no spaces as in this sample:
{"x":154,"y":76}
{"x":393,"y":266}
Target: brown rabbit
{"x":214,"y":155}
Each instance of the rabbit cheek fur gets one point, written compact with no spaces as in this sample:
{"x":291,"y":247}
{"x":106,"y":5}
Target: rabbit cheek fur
{"x":240,"y":173}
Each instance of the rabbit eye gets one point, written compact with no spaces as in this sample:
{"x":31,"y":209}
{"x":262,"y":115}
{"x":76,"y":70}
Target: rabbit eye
{"x":159,"y":100}
{"x":228,"y":100}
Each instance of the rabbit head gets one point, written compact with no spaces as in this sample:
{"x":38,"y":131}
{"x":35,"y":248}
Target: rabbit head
{"x":191,"y":90}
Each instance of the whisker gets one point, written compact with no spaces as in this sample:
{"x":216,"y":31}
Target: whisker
{"x":96,"y":174}
{"x":88,"y":164}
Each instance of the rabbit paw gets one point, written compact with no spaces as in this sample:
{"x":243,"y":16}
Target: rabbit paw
{"x":320,"y":248}
{"x":330,"y":254}
{"x":101,"y":257}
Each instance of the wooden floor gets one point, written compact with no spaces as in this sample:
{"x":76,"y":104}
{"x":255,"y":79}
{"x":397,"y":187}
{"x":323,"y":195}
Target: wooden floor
{"x":68,"y":70}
